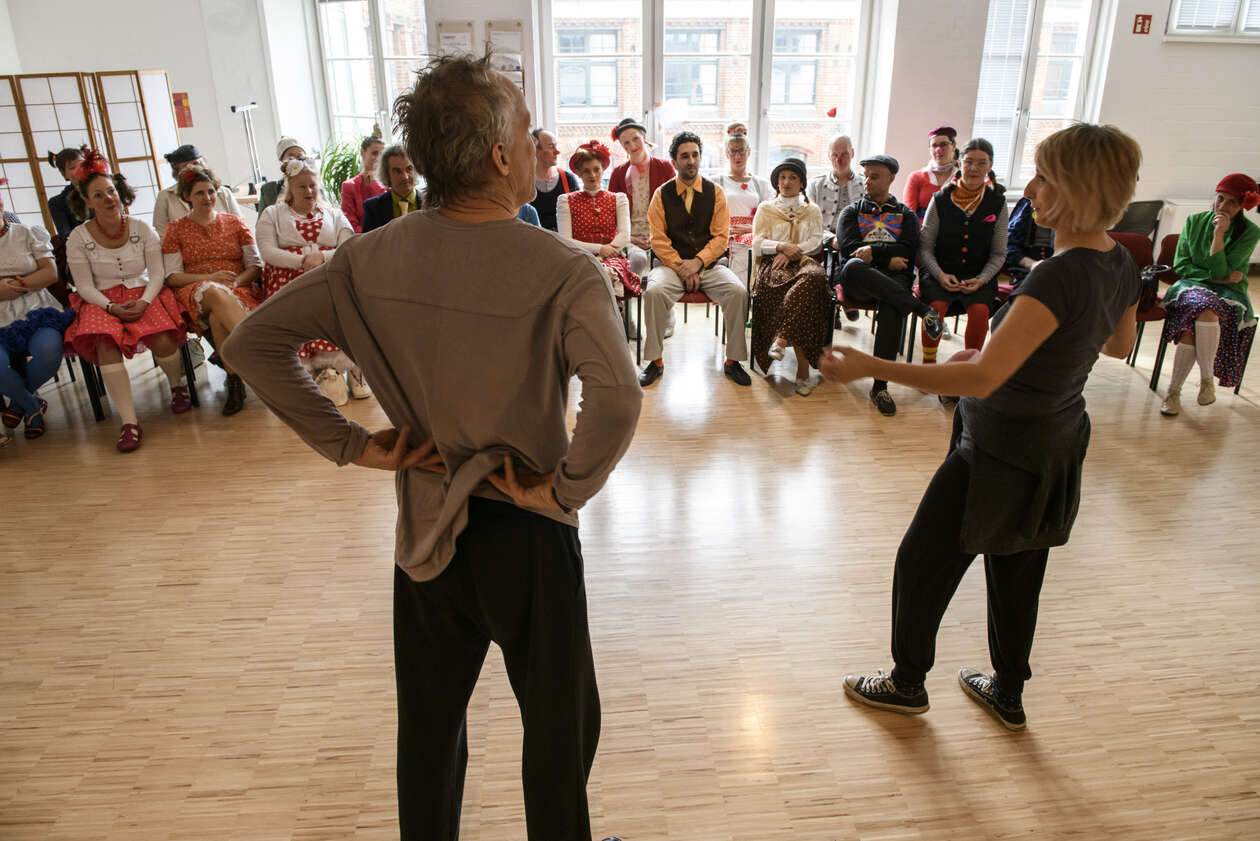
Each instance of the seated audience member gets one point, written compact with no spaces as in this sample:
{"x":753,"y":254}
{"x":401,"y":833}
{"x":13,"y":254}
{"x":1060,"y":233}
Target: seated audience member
{"x":528,"y":215}
{"x":269,"y":192}
{"x":550,"y":181}
{"x":1210,"y":316}
{"x":170,"y":205}
{"x":879,"y":237}
{"x":401,"y":198}
{"x":840,"y":187}
{"x":121,"y":299}
{"x":597,"y":220}
{"x":941,"y":169}
{"x":639,"y":179}
{"x":213,"y":264}
{"x":793,"y":307}
{"x":744,"y":193}
{"x":295,"y":235}
{"x":31,"y":324}
{"x":690,"y":229}
{"x":963,"y":245}
{"x":64,"y":221}
{"x":366,"y":185}
{"x":1027,"y":243}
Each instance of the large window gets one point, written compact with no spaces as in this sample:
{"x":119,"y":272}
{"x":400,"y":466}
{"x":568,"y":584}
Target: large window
{"x":1225,"y":19}
{"x":694,"y":65}
{"x":371,"y":49}
{"x":1031,"y":77}
{"x":815,"y":69}
{"x":597,"y":70}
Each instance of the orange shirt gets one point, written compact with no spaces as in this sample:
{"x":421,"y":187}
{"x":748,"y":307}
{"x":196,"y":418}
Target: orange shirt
{"x":719,"y":226}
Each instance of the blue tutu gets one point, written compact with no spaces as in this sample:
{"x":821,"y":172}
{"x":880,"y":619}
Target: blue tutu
{"x":17,"y":336}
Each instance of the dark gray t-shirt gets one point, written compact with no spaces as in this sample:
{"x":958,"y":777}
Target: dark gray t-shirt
{"x":1087,"y":291}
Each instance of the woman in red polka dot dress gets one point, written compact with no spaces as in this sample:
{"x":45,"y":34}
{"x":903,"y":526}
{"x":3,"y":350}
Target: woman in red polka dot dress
{"x":213,"y":265}
{"x":295,"y":235}
{"x":744,"y":194}
{"x":597,"y":220}
{"x":121,"y":298}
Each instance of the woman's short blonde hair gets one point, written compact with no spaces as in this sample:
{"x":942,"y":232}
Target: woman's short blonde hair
{"x":1094,"y":172}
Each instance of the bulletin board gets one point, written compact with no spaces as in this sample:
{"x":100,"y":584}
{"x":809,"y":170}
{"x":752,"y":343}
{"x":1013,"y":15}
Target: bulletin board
{"x":455,"y":36}
{"x":507,"y":40}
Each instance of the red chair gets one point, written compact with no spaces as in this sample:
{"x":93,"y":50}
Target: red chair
{"x":1151,"y":304}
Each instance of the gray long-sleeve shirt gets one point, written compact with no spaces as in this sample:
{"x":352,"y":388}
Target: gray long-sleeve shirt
{"x":469,"y":332}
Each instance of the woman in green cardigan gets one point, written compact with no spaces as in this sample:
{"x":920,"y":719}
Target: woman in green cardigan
{"x":1209,"y":312}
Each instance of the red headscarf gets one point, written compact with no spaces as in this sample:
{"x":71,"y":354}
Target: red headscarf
{"x":594,"y":147}
{"x":1241,"y":187}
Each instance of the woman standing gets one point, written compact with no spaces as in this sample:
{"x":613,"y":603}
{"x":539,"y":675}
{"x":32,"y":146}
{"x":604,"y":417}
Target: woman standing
{"x":638,"y":178}
{"x":962,"y":247}
{"x":941,"y":169}
{"x":1010,"y":487}
{"x":1209,"y":311}
{"x":121,"y":298}
{"x":64,"y":221}
{"x":212,"y":263}
{"x":295,"y":235}
{"x":598,"y":220}
{"x":31,"y":324}
{"x":792,"y":306}
{"x":744,"y":193}
{"x":364,"y":186}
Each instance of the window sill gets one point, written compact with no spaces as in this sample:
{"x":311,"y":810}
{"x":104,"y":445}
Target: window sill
{"x":1253,"y":40}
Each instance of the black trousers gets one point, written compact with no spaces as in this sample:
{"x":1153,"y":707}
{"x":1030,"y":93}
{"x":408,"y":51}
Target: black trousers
{"x":931,"y":563}
{"x":516,"y":579}
{"x":895,"y":296}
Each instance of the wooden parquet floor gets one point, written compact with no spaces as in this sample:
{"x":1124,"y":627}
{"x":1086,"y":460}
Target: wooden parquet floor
{"x":197,"y":639}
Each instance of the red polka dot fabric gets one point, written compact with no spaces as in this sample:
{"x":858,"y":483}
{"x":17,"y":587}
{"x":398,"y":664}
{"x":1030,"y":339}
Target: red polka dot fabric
{"x":275,"y":278}
{"x":595,"y":220}
{"x":208,"y":249}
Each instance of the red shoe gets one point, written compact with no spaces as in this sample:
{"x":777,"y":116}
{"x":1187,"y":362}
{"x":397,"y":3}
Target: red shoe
{"x":129,"y":439}
{"x":180,"y":401}
{"x":11,"y":417}
{"x":35,"y":422}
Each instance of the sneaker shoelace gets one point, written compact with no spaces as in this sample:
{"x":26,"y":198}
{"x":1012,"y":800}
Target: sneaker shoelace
{"x":880,"y":683}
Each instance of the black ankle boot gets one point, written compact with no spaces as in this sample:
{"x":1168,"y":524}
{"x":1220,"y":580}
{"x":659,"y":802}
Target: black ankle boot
{"x":235,"y":395}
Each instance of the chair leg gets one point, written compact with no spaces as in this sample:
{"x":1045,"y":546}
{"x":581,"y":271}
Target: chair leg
{"x":94,"y":389}
{"x":186,"y":358}
{"x":914,"y":329}
{"x":684,"y":313}
{"x":70,"y":369}
{"x":1159,"y":363}
{"x":1137,"y":343}
{"x":638,"y":331}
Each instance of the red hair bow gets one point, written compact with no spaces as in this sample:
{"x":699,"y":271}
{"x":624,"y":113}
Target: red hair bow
{"x":1250,"y":200}
{"x":93,"y":163}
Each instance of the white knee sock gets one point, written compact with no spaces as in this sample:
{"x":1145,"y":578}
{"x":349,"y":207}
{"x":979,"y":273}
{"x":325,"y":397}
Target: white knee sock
{"x":1183,"y":361}
{"x":118,"y":387}
{"x":172,"y":367}
{"x":1207,"y":338}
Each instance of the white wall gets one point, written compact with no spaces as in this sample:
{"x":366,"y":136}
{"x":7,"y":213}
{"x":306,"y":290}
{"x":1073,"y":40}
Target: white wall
{"x":934,"y":77}
{"x":1194,"y":108}
{"x":9,"y":60}
{"x":301,"y":110}
{"x":215,"y":57}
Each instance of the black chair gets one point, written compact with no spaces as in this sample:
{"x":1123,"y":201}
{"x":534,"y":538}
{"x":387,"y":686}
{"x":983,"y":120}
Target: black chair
{"x":1140,"y":217}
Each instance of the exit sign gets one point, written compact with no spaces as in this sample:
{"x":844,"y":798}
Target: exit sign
{"x":1142,"y":25}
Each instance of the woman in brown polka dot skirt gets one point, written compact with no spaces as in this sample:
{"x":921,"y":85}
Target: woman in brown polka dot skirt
{"x":791,"y":306}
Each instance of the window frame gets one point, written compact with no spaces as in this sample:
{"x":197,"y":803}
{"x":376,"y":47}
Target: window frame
{"x":1236,"y":34}
{"x":379,"y":59}
{"x":653,"y":56}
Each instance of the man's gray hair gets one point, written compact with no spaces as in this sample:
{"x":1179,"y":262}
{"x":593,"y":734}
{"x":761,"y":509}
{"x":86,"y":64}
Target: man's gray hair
{"x":835,"y":138}
{"x":394,"y":150}
{"x":451,"y":119}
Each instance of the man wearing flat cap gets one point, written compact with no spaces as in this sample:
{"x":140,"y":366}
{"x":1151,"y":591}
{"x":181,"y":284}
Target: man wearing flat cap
{"x":170,"y":206}
{"x":879,"y":237}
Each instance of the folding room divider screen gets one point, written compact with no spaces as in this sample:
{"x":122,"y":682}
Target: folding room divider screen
{"x":126,"y":114}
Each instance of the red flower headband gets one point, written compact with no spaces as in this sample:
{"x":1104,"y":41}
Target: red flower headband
{"x":93,"y":163}
{"x":593,"y":147}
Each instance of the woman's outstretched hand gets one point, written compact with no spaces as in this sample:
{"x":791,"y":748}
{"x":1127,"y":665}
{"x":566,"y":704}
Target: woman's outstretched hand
{"x":844,"y":364}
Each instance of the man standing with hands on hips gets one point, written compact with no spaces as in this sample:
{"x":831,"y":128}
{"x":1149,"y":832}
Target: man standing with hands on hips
{"x":488,"y":480}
